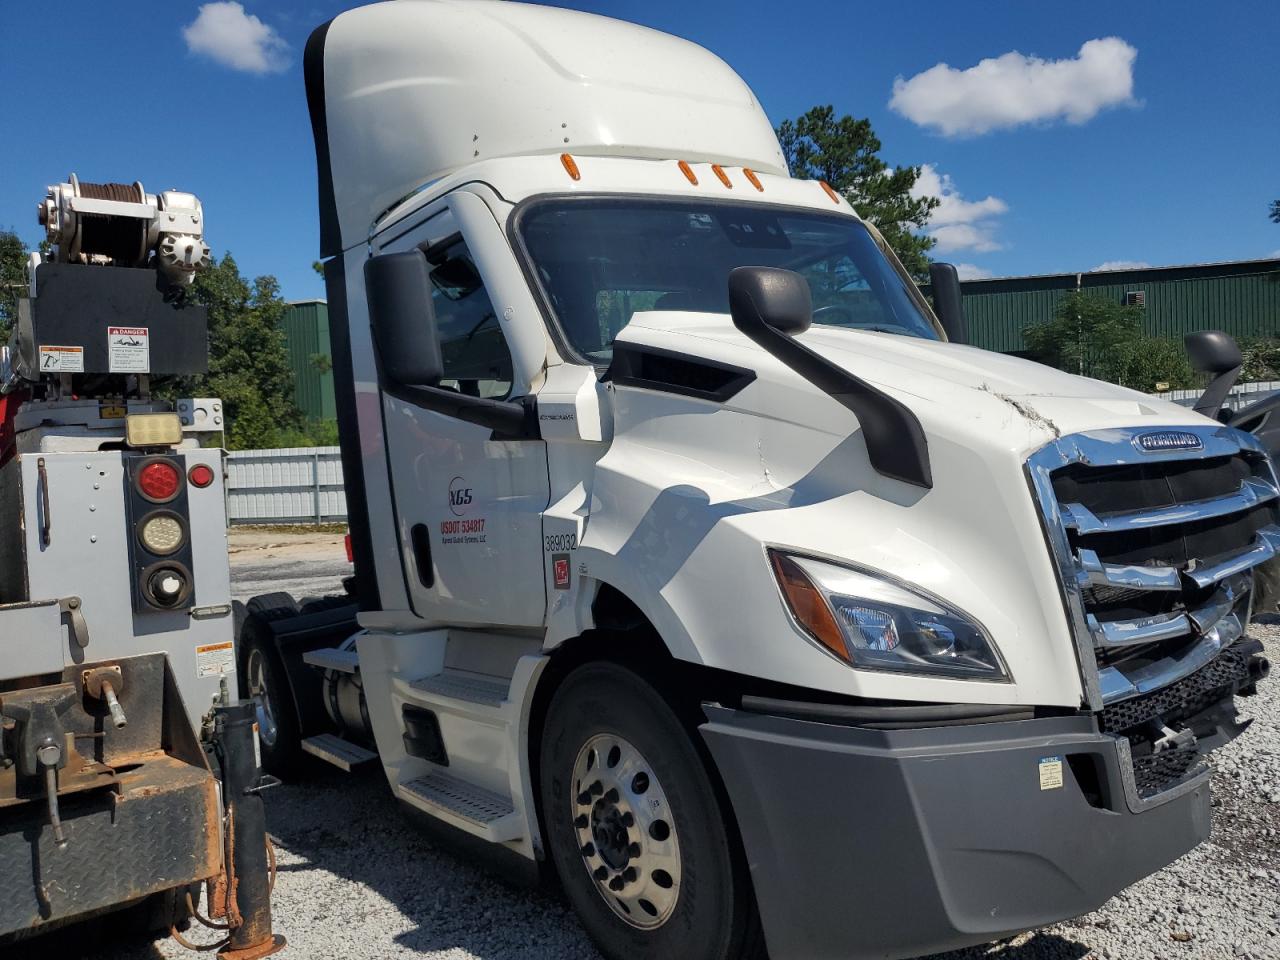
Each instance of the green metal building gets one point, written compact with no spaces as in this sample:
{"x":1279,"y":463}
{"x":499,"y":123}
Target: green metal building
{"x":306,"y":331}
{"x":1242,"y":298}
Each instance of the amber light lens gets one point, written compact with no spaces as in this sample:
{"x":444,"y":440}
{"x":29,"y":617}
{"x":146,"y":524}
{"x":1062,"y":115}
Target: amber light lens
{"x":201,"y":475}
{"x":808,"y":605}
{"x":159,"y":481}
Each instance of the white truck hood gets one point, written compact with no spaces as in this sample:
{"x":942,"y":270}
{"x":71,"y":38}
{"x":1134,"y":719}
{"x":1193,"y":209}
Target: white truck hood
{"x":956,"y":382}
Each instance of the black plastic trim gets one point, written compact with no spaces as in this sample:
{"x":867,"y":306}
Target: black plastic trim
{"x":344,"y":388}
{"x":892,"y":717}
{"x":313,"y":76}
{"x":628,"y":369}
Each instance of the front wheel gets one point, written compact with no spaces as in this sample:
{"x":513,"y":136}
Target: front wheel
{"x":635,"y":828}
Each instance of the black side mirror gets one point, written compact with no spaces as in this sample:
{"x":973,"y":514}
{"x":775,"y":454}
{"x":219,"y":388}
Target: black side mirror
{"x":398,"y":290}
{"x":761,"y":297}
{"x":1217,"y":353}
{"x":947,"y":302}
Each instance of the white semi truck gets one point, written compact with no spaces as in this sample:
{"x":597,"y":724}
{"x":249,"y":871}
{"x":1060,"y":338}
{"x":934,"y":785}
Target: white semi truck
{"x":692,"y":561}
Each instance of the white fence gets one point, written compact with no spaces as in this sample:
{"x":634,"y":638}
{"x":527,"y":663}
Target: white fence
{"x":302,"y":485}
{"x":1241,"y":394}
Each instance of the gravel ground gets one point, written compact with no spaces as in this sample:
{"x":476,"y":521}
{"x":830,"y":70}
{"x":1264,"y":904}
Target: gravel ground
{"x":358,"y":881}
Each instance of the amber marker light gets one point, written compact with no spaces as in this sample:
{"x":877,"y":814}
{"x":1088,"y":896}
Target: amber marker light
{"x":752,"y":178}
{"x":807,"y":604}
{"x":719,"y":172}
{"x":688,"y":172}
{"x":835,"y":197}
{"x":570,"y":166}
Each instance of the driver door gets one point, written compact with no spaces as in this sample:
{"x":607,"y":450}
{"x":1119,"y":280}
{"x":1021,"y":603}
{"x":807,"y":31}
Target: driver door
{"x":469,"y":507}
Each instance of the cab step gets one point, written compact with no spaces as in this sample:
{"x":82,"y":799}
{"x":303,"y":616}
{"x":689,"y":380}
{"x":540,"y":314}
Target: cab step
{"x":343,"y":754}
{"x":465,"y":687}
{"x":332,"y":658}
{"x":473,"y":808}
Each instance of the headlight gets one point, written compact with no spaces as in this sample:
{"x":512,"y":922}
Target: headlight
{"x":874,"y":623}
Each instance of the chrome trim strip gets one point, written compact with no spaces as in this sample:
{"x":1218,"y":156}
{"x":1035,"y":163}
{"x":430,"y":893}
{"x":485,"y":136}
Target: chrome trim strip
{"x":1094,"y":571}
{"x":1111,"y":634}
{"x":1265,"y":546}
{"x":1253,"y":491}
{"x":1118,"y":685}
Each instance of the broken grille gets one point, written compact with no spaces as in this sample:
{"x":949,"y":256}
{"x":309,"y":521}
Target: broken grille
{"x":1155,"y":549}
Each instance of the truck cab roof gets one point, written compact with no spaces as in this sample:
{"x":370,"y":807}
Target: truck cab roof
{"x":404,"y":93}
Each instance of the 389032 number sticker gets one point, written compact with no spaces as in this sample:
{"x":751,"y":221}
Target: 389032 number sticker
{"x":560,"y":542}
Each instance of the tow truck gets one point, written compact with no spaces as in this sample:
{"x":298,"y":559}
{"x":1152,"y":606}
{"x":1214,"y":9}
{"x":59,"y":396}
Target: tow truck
{"x":699,"y":561}
{"x":128,"y":771}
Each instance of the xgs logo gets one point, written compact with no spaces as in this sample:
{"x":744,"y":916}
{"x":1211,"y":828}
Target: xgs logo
{"x":459,"y":496}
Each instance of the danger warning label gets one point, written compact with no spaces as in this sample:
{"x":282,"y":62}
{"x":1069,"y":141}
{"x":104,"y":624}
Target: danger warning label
{"x":128,"y":350}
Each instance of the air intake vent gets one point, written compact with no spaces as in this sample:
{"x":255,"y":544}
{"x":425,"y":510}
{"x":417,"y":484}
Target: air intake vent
{"x":671,"y":372}
{"x":1135,"y":298}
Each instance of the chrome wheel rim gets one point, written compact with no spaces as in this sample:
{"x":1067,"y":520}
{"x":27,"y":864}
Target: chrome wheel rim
{"x":257,"y":670}
{"x":626,"y":831}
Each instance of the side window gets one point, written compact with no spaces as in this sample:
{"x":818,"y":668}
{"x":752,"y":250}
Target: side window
{"x":476,"y":359}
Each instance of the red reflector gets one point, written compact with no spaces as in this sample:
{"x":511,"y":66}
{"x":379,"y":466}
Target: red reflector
{"x":159,"y":480}
{"x":201,"y":475}
{"x":346,"y":541}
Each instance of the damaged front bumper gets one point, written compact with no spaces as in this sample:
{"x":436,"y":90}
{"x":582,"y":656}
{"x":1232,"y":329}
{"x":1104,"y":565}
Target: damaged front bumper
{"x":885,"y":843}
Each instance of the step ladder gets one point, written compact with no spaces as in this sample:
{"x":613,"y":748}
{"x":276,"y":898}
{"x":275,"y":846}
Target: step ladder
{"x":480,"y":701}
{"x":330,"y":747}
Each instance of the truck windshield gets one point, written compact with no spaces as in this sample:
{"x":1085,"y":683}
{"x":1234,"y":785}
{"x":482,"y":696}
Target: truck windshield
{"x":601,"y":260}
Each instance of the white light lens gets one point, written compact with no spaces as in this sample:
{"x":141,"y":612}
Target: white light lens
{"x":162,"y":535}
{"x":890,"y":626}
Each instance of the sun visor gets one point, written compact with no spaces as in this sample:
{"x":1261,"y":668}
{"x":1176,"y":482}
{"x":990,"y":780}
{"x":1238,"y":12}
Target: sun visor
{"x":405,"y":92}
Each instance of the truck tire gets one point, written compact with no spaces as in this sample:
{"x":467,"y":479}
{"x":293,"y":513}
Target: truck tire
{"x":642,"y":846}
{"x":263,"y":680}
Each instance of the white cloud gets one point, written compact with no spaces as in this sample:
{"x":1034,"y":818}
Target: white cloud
{"x":1014,"y":89}
{"x":226,"y":34}
{"x":957,"y":223}
{"x":969,"y":271}
{"x":1121,"y":265}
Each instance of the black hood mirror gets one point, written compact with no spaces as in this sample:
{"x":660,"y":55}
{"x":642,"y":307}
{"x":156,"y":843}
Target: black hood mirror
{"x":948,"y":303}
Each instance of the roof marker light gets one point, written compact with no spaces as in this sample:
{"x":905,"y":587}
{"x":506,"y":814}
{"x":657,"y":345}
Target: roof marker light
{"x":570,"y":166}
{"x":688,"y":172}
{"x":719,"y":172}
{"x":831,"y":191}
{"x":753,"y":179}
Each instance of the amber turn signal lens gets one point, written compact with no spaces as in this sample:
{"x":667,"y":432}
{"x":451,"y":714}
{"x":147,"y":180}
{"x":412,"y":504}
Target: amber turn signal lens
{"x":688,"y":172}
{"x":752,"y":178}
{"x":719,"y":172}
{"x":807,"y":604}
{"x":570,"y":166}
{"x":831,"y":191}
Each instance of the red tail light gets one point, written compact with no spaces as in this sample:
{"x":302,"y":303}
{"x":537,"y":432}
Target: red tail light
{"x":346,"y":542}
{"x":159,"y":480}
{"x":201,"y":475}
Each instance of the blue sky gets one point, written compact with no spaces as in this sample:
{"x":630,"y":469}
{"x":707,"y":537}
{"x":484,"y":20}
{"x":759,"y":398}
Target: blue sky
{"x":1160,"y":146}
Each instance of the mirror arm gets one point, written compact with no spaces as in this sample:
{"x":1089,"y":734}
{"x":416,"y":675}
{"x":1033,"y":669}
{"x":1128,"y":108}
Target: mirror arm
{"x":1215,"y":394}
{"x":508,"y":419}
{"x":896,"y":444}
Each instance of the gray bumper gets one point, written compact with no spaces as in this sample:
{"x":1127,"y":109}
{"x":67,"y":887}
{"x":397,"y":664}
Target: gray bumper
{"x":896,"y":843}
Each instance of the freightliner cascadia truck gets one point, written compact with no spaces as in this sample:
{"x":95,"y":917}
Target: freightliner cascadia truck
{"x":696,"y":562}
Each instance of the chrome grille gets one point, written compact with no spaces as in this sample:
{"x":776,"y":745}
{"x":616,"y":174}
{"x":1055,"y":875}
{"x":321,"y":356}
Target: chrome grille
{"x":1155,"y":549}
